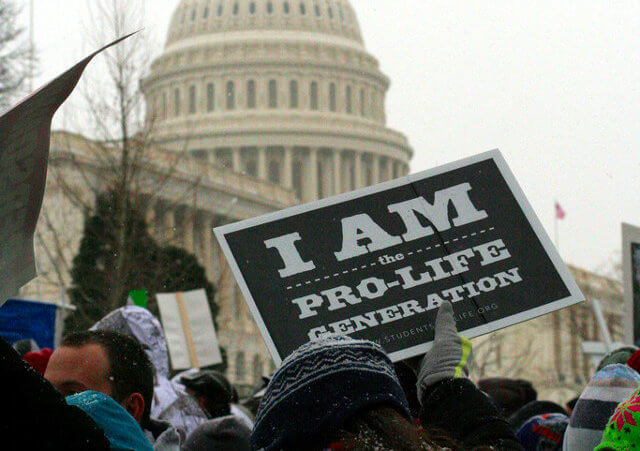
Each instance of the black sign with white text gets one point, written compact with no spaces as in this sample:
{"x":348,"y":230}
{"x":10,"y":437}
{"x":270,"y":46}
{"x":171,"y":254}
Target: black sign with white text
{"x":378,"y":262}
{"x":631,"y":282}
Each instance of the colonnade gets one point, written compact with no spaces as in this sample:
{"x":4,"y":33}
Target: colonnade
{"x":191,"y":230}
{"x":313,"y":172}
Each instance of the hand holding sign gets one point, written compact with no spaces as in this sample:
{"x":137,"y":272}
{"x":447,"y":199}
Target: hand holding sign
{"x":377,"y":263}
{"x":24,"y":151}
{"x":450,"y":355}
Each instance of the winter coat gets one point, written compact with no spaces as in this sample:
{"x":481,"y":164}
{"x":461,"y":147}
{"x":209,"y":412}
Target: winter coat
{"x":460,"y":410}
{"x":37,"y":416}
{"x":170,"y":401}
{"x":120,"y":428}
{"x":164,"y":436}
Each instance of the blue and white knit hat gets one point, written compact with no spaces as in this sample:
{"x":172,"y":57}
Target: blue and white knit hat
{"x":543,"y":432}
{"x":320,"y":386}
{"x":608,"y":387}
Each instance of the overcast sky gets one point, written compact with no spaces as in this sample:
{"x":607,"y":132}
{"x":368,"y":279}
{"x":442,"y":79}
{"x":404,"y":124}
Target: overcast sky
{"x":555,"y":85}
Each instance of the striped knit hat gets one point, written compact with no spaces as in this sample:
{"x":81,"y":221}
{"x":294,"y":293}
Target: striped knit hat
{"x":320,"y":386}
{"x":623,"y":431}
{"x":608,"y":387}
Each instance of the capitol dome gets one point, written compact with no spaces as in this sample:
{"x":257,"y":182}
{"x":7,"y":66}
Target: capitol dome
{"x":195,"y":18}
{"x":281,"y":90}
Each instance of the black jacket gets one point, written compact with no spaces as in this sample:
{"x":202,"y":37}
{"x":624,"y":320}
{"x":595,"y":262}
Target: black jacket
{"x":459,"y":409}
{"x":36,"y":416}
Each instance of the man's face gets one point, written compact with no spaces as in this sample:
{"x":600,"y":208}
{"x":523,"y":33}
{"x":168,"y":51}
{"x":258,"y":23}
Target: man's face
{"x":73,"y":370}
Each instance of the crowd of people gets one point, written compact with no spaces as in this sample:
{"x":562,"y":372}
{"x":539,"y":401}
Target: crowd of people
{"x":110,"y":388}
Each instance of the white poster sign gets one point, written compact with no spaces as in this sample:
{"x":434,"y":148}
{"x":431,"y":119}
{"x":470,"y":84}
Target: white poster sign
{"x":24,"y":151}
{"x":188,"y":325}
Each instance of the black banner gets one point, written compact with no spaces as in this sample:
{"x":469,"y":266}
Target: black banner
{"x":631,"y":282}
{"x":377,"y":263}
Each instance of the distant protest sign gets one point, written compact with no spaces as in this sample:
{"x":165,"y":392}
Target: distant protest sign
{"x":24,"y":319}
{"x":24,"y":151}
{"x":188,"y":327}
{"x":378,"y":262}
{"x":631,"y":278}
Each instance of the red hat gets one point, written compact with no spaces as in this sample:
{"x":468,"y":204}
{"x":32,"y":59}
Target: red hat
{"x":38,"y":359}
{"x":634,"y":361}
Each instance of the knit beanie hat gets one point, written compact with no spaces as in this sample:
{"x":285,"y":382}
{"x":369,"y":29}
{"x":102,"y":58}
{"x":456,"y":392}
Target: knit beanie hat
{"x":532,"y":409}
{"x":38,"y":359}
{"x":623,"y":429}
{"x":543,"y":432}
{"x":220,"y":434}
{"x":608,"y":387}
{"x":634,"y":361}
{"x":620,"y":355}
{"x":320,"y":386}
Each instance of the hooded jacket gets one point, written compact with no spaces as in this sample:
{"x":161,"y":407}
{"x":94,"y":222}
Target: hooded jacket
{"x":171,"y":403}
{"x":120,"y":428}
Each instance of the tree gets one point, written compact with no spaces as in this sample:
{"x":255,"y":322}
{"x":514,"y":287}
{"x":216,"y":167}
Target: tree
{"x":153,"y":267}
{"x":120,"y":156}
{"x":16,"y":55}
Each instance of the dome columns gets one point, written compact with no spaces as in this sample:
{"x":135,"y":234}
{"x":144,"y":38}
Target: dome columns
{"x":192,"y":229}
{"x":287,"y":168}
{"x":310,"y":181}
{"x":314,"y":172}
{"x":262,"y":163}
{"x":337,"y":172}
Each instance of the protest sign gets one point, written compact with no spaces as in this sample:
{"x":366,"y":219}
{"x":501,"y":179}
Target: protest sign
{"x":631,"y":281}
{"x":24,"y":151}
{"x":377,"y":263}
{"x":22,"y":319}
{"x":188,"y":327}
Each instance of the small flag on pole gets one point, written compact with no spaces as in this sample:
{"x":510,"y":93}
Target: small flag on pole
{"x":560,"y":213}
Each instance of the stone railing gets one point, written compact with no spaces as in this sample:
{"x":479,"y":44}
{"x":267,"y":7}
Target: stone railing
{"x":280,"y":121}
{"x":77,"y":150}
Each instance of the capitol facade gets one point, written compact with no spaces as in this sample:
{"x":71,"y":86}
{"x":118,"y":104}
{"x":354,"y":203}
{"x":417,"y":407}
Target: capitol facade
{"x":281,"y":90}
{"x":267,"y":103}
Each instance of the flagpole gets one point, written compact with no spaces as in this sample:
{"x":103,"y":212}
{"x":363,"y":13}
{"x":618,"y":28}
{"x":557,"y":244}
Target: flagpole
{"x":555,"y":225}
{"x":31,"y":46}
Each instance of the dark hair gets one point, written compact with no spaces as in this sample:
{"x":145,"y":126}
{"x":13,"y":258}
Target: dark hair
{"x":130,"y":370}
{"x":384,"y":427}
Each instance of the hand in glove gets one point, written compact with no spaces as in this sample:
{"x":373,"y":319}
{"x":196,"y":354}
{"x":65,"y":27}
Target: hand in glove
{"x":450,"y":354}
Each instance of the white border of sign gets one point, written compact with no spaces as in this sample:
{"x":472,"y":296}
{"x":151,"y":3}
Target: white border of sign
{"x":574,"y":297}
{"x":630,"y":234}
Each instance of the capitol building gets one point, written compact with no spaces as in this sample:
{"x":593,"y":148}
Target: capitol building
{"x":283,"y":91}
{"x":269,"y":103}
{"x":256,"y":106}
